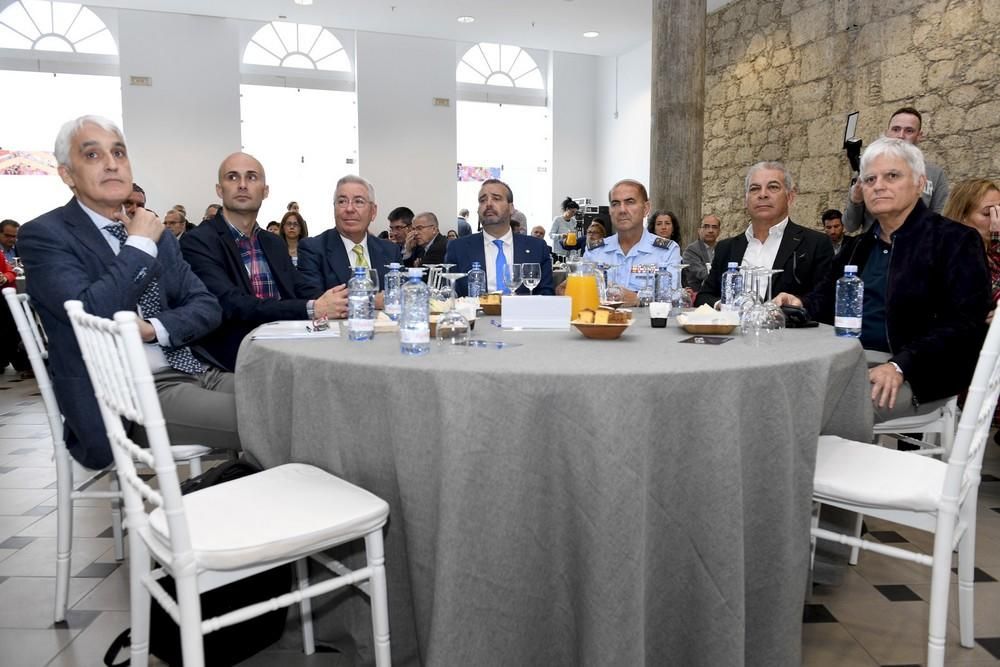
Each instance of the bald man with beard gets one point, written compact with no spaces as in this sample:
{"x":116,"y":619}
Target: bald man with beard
{"x":250,"y":272}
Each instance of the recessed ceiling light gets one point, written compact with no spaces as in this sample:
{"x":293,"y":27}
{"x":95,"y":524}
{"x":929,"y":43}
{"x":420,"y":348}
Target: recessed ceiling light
{"x":465,"y":19}
{"x":591,"y":34}
{"x":303,"y":2}
{"x":282,"y":16}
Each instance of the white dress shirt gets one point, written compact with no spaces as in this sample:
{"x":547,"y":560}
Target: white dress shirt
{"x":491,"y":253}
{"x":351,"y":255}
{"x":763,"y":254}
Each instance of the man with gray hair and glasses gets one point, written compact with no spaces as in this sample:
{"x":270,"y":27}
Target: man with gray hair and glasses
{"x":328,"y":260}
{"x":771,"y":240}
{"x":927,"y":288}
{"x":92,"y":250}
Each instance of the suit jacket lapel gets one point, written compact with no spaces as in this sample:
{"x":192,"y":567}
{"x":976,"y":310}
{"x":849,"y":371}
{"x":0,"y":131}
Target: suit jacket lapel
{"x":378,"y":260}
{"x":336,"y":257}
{"x":232,"y":252}
{"x":789,"y":242}
{"x":83,"y":228}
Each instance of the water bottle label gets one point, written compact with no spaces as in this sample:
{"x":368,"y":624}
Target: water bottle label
{"x":413,"y":336}
{"x":361,"y":325}
{"x":847,"y":322}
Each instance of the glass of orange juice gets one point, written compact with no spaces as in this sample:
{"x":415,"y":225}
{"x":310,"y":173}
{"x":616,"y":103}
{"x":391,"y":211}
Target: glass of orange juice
{"x":581,"y":287}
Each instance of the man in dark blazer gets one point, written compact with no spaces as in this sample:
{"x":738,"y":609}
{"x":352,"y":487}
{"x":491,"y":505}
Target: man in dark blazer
{"x":249,"y":272}
{"x":803,"y":255}
{"x":328,"y":260}
{"x":496,"y":202}
{"x":424,"y":244}
{"x":92,"y":251}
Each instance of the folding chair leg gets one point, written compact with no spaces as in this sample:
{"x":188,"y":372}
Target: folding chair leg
{"x":64,"y":537}
{"x":139,"y":599}
{"x":116,"y":517}
{"x":379,"y":598}
{"x":194,"y":466}
{"x":305,"y":607}
{"x":858,"y":526}
{"x":966,"y":576}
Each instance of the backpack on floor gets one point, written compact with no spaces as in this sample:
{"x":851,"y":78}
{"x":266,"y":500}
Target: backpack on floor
{"x":232,"y":644}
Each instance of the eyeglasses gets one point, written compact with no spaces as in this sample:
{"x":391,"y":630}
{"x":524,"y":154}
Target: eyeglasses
{"x":421,"y":228}
{"x":396,"y":228}
{"x":358,"y":202}
{"x":292,"y":223}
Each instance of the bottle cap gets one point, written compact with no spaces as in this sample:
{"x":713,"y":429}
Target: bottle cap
{"x":394,"y":265}
{"x":733,"y":265}
{"x":360,"y":272}
{"x":851,"y":268}
{"x":415,"y":272}
{"x":475,"y":265}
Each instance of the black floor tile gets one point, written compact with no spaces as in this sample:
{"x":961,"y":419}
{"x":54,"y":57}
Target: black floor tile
{"x":817,"y":613}
{"x":898,"y":593}
{"x":24,"y":450}
{"x":888,"y":536}
{"x":991,"y":644}
{"x":978,"y":576}
{"x":986,"y":477}
{"x":6,"y":469}
{"x":98,"y":570}
{"x":996,"y":509}
{"x":3,"y":579}
{"x":16,"y":542}
{"x":39,"y":510}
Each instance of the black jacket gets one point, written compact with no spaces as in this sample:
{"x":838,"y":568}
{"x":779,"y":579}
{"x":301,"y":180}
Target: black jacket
{"x":804,"y":255}
{"x":937,"y":298}
{"x":212,"y":253}
{"x":432,"y":255}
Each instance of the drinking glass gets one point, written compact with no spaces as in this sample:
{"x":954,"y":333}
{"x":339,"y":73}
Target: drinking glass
{"x":441,"y":289}
{"x":452,"y":327}
{"x":513,"y":277}
{"x":531,"y":274}
{"x":18,"y":267}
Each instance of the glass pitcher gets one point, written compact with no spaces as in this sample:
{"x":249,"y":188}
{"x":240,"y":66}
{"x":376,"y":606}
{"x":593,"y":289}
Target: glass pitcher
{"x":581,"y":287}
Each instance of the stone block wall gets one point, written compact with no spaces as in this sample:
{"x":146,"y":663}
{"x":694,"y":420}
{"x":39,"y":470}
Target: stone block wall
{"x":782,"y":75}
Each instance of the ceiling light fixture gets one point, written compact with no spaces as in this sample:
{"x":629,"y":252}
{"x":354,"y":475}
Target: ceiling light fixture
{"x":591,"y":34}
{"x":465,"y":19}
{"x":303,"y":2}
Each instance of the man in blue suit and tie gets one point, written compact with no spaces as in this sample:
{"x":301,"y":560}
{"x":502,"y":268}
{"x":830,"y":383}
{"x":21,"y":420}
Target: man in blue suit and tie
{"x":91,"y":250}
{"x":328,"y":260}
{"x":497,"y":247}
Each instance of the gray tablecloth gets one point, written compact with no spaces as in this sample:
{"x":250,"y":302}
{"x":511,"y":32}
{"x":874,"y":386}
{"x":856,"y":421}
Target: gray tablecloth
{"x":572,"y":501}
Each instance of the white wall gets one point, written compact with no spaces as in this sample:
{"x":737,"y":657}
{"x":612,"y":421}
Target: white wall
{"x":623,"y":142}
{"x":574,"y":132}
{"x":406,"y":145}
{"x":180,"y":128}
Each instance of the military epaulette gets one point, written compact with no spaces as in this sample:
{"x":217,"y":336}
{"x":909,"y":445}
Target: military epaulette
{"x":660,"y":242}
{"x":595,"y":245}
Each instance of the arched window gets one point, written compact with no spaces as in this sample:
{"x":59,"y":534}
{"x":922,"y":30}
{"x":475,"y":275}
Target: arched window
{"x":499,"y":65}
{"x":298,"y":45}
{"x":41,"y":25}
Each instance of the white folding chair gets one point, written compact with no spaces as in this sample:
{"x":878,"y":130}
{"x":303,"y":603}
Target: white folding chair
{"x":921,"y":492}
{"x":937,"y":427}
{"x":226,"y":532}
{"x":67,"y":492}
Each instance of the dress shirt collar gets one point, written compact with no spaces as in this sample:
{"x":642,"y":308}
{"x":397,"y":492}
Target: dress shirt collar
{"x":349,"y":247}
{"x":775,"y":232}
{"x":508,"y":239}
{"x":96,"y":217}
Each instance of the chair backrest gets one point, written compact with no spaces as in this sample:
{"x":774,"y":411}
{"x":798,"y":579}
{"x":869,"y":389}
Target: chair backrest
{"x":36,"y":345}
{"x":966,"y":458}
{"x":123,"y":385}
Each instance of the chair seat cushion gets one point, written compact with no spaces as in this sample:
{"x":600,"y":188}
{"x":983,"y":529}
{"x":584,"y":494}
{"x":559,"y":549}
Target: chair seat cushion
{"x":866,"y":474}
{"x":187,"y":452}
{"x":277,"y":514}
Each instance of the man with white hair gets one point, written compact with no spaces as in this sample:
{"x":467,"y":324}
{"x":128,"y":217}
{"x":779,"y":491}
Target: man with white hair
{"x":927,"y":288}
{"x":771,"y":240}
{"x":328,"y":260}
{"x":93,"y":251}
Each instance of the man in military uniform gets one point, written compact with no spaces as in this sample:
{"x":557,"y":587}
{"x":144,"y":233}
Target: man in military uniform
{"x":632,"y":246}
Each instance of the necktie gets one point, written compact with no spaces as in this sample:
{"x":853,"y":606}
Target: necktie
{"x":501,"y":268}
{"x":359,"y":252}
{"x":180,"y":358}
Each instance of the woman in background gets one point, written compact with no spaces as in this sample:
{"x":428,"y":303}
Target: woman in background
{"x":665,"y":224}
{"x":562,"y":224}
{"x":976,"y":203}
{"x":293,"y":230}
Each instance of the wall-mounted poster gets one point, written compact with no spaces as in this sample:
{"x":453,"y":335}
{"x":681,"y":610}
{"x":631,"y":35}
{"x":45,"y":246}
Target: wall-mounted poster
{"x":27,"y":163}
{"x":472,"y":173}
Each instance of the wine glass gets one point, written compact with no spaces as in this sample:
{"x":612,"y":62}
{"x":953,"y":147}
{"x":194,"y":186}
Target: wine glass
{"x":452,"y":327}
{"x":531,"y":274}
{"x":513,"y":277}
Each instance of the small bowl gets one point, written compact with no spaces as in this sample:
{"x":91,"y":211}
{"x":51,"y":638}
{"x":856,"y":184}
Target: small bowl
{"x":709,"y":329}
{"x":601,"y":331}
{"x":490,"y":308}
{"x":433,"y":319}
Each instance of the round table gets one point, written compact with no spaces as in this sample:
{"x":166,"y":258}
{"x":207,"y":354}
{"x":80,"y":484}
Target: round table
{"x":571,"y":501}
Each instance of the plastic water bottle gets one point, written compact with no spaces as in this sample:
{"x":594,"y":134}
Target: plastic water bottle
{"x":732,"y":284}
{"x":477,"y":280}
{"x":664,"y":286}
{"x":360,"y":306}
{"x":393,"y":294}
{"x":414,"y":326}
{"x":850,"y":303}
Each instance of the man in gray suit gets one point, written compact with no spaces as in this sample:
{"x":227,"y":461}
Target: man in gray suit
{"x":698,"y":256}
{"x":91,"y":250}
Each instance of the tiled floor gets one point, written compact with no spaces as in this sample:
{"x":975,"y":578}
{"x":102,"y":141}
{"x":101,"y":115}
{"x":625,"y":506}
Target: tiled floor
{"x":877,"y":616}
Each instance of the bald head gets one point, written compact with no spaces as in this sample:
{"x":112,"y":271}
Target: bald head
{"x":241,"y":185}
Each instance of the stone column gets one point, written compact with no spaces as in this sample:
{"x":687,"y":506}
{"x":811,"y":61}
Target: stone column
{"x":678,"y":107}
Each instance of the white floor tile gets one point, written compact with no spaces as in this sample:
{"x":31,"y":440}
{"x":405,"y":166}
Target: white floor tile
{"x":34,"y":648}
{"x":38,"y":559}
{"x":27,"y":602}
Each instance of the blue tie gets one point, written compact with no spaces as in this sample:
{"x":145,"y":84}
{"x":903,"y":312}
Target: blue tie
{"x":501,"y":268}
